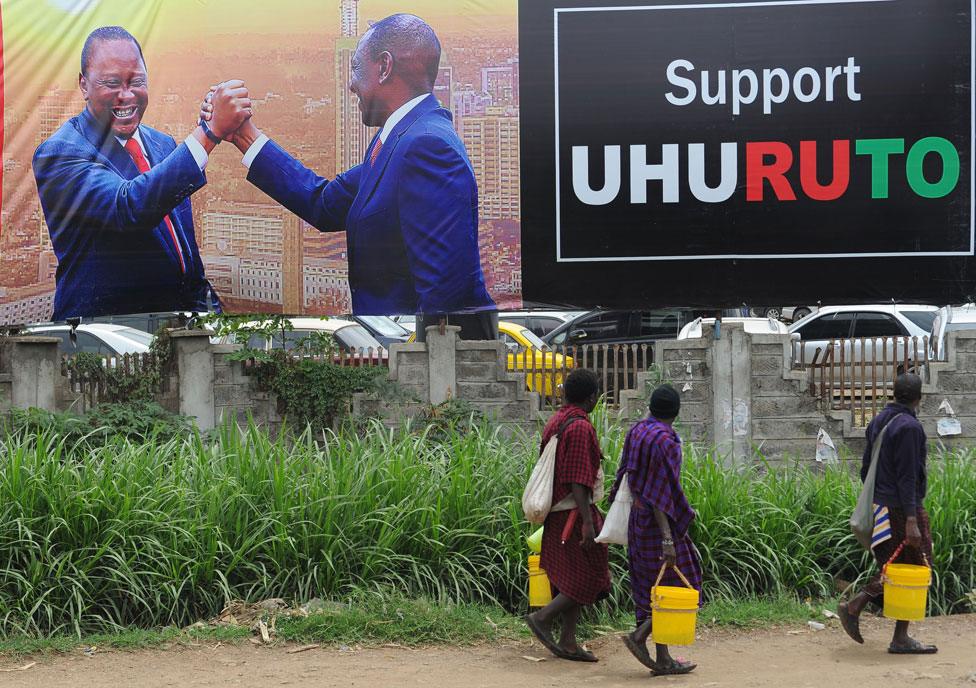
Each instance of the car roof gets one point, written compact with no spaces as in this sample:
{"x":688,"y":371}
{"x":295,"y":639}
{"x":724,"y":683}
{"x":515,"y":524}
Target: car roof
{"x":877,"y":307}
{"x":561,"y":315}
{"x":323,"y":325}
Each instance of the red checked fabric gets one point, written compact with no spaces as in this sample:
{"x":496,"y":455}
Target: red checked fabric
{"x":582,"y":576}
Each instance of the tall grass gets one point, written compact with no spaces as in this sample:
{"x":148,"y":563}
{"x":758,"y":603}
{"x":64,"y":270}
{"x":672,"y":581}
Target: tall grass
{"x":96,"y":537}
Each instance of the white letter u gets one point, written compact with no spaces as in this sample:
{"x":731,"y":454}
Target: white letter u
{"x":581,"y":175}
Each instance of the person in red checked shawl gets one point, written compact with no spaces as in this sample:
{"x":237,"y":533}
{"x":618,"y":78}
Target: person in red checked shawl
{"x":577,"y":566}
{"x":660,"y":516}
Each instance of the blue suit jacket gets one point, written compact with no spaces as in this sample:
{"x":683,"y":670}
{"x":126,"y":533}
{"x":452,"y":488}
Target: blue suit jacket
{"x":411,"y":219}
{"x":106,"y":222}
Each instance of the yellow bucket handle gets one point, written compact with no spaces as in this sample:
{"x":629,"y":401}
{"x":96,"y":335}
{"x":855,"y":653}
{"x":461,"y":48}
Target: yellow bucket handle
{"x":897,"y":552}
{"x":660,"y":575}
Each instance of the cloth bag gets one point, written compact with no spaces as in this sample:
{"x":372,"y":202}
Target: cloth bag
{"x":862,"y":520}
{"x":617,"y":522}
{"x":537,"y":495}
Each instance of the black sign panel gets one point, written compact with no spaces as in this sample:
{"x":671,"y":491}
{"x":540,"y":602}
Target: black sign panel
{"x":714,"y":154}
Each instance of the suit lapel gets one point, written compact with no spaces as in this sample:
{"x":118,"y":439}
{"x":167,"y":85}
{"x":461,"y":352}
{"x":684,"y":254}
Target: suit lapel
{"x":155,"y":155}
{"x":375,"y":172}
{"x":107,"y":146}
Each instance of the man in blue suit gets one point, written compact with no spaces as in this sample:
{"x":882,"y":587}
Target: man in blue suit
{"x":116,"y":193}
{"x":410,"y":210}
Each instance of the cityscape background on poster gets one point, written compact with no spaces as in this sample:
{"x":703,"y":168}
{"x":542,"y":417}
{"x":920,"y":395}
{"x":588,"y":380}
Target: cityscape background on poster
{"x":260,"y":257}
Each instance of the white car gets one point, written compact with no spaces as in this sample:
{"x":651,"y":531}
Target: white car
{"x":698,"y":326}
{"x":860,"y":328}
{"x":99,"y":338}
{"x":540,"y":323}
{"x":350,"y":336}
{"x":949,"y":319}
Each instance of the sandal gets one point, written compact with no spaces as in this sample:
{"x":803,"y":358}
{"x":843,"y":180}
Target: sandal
{"x":912,"y":648}
{"x":580,"y":655}
{"x":674,"y":668}
{"x":639,"y":651}
{"x":544,"y":637}
{"x":850,"y":623}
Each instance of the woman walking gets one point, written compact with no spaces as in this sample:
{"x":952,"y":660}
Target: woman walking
{"x":659,"y":520}
{"x":577,"y":566}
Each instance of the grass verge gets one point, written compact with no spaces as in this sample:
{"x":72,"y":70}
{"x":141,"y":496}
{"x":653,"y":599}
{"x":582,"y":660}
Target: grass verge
{"x":378,"y":621}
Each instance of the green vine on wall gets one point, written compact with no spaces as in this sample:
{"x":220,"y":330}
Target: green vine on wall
{"x":310,"y":387}
{"x":119,"y":384}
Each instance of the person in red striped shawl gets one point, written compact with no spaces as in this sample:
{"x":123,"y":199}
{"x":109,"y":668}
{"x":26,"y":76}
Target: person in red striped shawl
{"x":577,"y":566}
{"x":657,"y":534}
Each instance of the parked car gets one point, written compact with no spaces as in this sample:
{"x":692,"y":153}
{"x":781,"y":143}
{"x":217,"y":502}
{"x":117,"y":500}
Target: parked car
{"x":384,"y":329}
{"x":619,"y":327}
{"x":407,"y":322}
{"x":696,"y":327}
{"x":540,"y":323}
{"x":871,"y":323}
{"x":98,"y":338}
{"x":350,"y":337}
{"x":785,"y":313}
{"x":950,"y":319}
{"x":551,"y":366}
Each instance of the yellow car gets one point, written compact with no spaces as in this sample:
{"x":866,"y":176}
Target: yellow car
{"x":544,"y":369}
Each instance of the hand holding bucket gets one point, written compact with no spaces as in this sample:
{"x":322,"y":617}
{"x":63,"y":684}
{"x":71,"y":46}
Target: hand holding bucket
{"x":905,"y":587}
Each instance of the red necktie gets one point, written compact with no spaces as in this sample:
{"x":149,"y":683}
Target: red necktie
{"x":133,"y":148}
{"x":376,"y":151}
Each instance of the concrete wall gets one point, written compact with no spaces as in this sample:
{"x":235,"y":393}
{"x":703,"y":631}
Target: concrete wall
{"x":738,"y":392}
{"x":446,"y":367}
{"x":740,"y":396}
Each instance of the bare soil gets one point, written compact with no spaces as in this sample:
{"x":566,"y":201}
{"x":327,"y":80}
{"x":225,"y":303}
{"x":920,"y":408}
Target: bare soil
{"x":785,"y":657}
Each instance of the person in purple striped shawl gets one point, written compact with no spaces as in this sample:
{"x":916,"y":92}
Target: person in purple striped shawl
{"x":659,"y":519}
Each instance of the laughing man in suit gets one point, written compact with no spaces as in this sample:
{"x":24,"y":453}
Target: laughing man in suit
{"x":410,"y":209}
{"x":116,"y":193}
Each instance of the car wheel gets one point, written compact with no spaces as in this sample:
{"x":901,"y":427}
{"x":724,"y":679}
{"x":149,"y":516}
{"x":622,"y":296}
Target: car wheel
{"x":774,"y":312}
{"x":800,"y":313}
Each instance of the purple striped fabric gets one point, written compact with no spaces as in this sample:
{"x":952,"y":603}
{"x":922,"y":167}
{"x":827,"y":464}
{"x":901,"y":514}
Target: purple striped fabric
{"x":652,"y":459}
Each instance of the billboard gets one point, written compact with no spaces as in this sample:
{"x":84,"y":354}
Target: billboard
{"x":747,"y":152}
{"x":559,"y":152}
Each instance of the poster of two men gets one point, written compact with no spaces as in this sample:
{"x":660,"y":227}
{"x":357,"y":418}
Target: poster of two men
{"x":395,"y":201}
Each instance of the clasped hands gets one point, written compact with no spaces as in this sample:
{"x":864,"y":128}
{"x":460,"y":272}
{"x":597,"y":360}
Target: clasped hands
{"x":227,"y":110}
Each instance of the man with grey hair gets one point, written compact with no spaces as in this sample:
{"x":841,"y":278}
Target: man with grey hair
{"x":410,"y":209}
{"x":899,"y":489}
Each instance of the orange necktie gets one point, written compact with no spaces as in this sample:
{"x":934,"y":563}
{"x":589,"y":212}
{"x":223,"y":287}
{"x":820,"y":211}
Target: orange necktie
{"x":133,"y":148}
{"x":376,"y":151}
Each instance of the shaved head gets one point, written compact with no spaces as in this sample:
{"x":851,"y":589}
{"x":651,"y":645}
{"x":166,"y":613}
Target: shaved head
{"x":413,"y":45}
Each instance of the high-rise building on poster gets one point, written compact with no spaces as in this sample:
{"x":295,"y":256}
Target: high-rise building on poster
{"x":492,"y":141}
{"x":352,"y":136}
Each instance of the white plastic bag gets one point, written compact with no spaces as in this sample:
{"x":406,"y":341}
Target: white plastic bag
{"x":617,"y":522}
{"x":537,"y":496}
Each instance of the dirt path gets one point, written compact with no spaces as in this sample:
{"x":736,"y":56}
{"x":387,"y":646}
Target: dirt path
{"x":782,"y":657}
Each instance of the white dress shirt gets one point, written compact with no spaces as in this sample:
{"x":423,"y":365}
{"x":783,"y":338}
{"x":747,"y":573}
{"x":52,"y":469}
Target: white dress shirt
{"x":391,"y":121}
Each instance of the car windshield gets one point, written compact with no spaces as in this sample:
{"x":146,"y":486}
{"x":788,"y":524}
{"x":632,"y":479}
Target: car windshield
{"x":532,"y":339}
{"x":355,"y":337}
{"x":384,"y":325}
{"x":923,"y":319}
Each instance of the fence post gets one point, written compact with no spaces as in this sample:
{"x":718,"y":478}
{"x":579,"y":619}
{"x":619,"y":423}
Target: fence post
{"x":195,"y":375}
{"x":441,"y":362}
{"x":35,"y":371}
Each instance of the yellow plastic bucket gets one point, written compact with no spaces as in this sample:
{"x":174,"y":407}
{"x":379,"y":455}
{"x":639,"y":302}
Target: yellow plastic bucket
{"x":905,"y":590}
{"x":534,"y":541}
{"x":540,"y":592}
{"x":674,"y":612}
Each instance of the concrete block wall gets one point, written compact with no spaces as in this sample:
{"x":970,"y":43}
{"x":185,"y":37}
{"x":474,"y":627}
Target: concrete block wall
{"x":741,"y":397}
{"x":445,"y":367}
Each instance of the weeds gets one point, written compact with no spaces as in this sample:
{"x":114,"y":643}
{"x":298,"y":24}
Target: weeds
{"x":163,"y":532}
